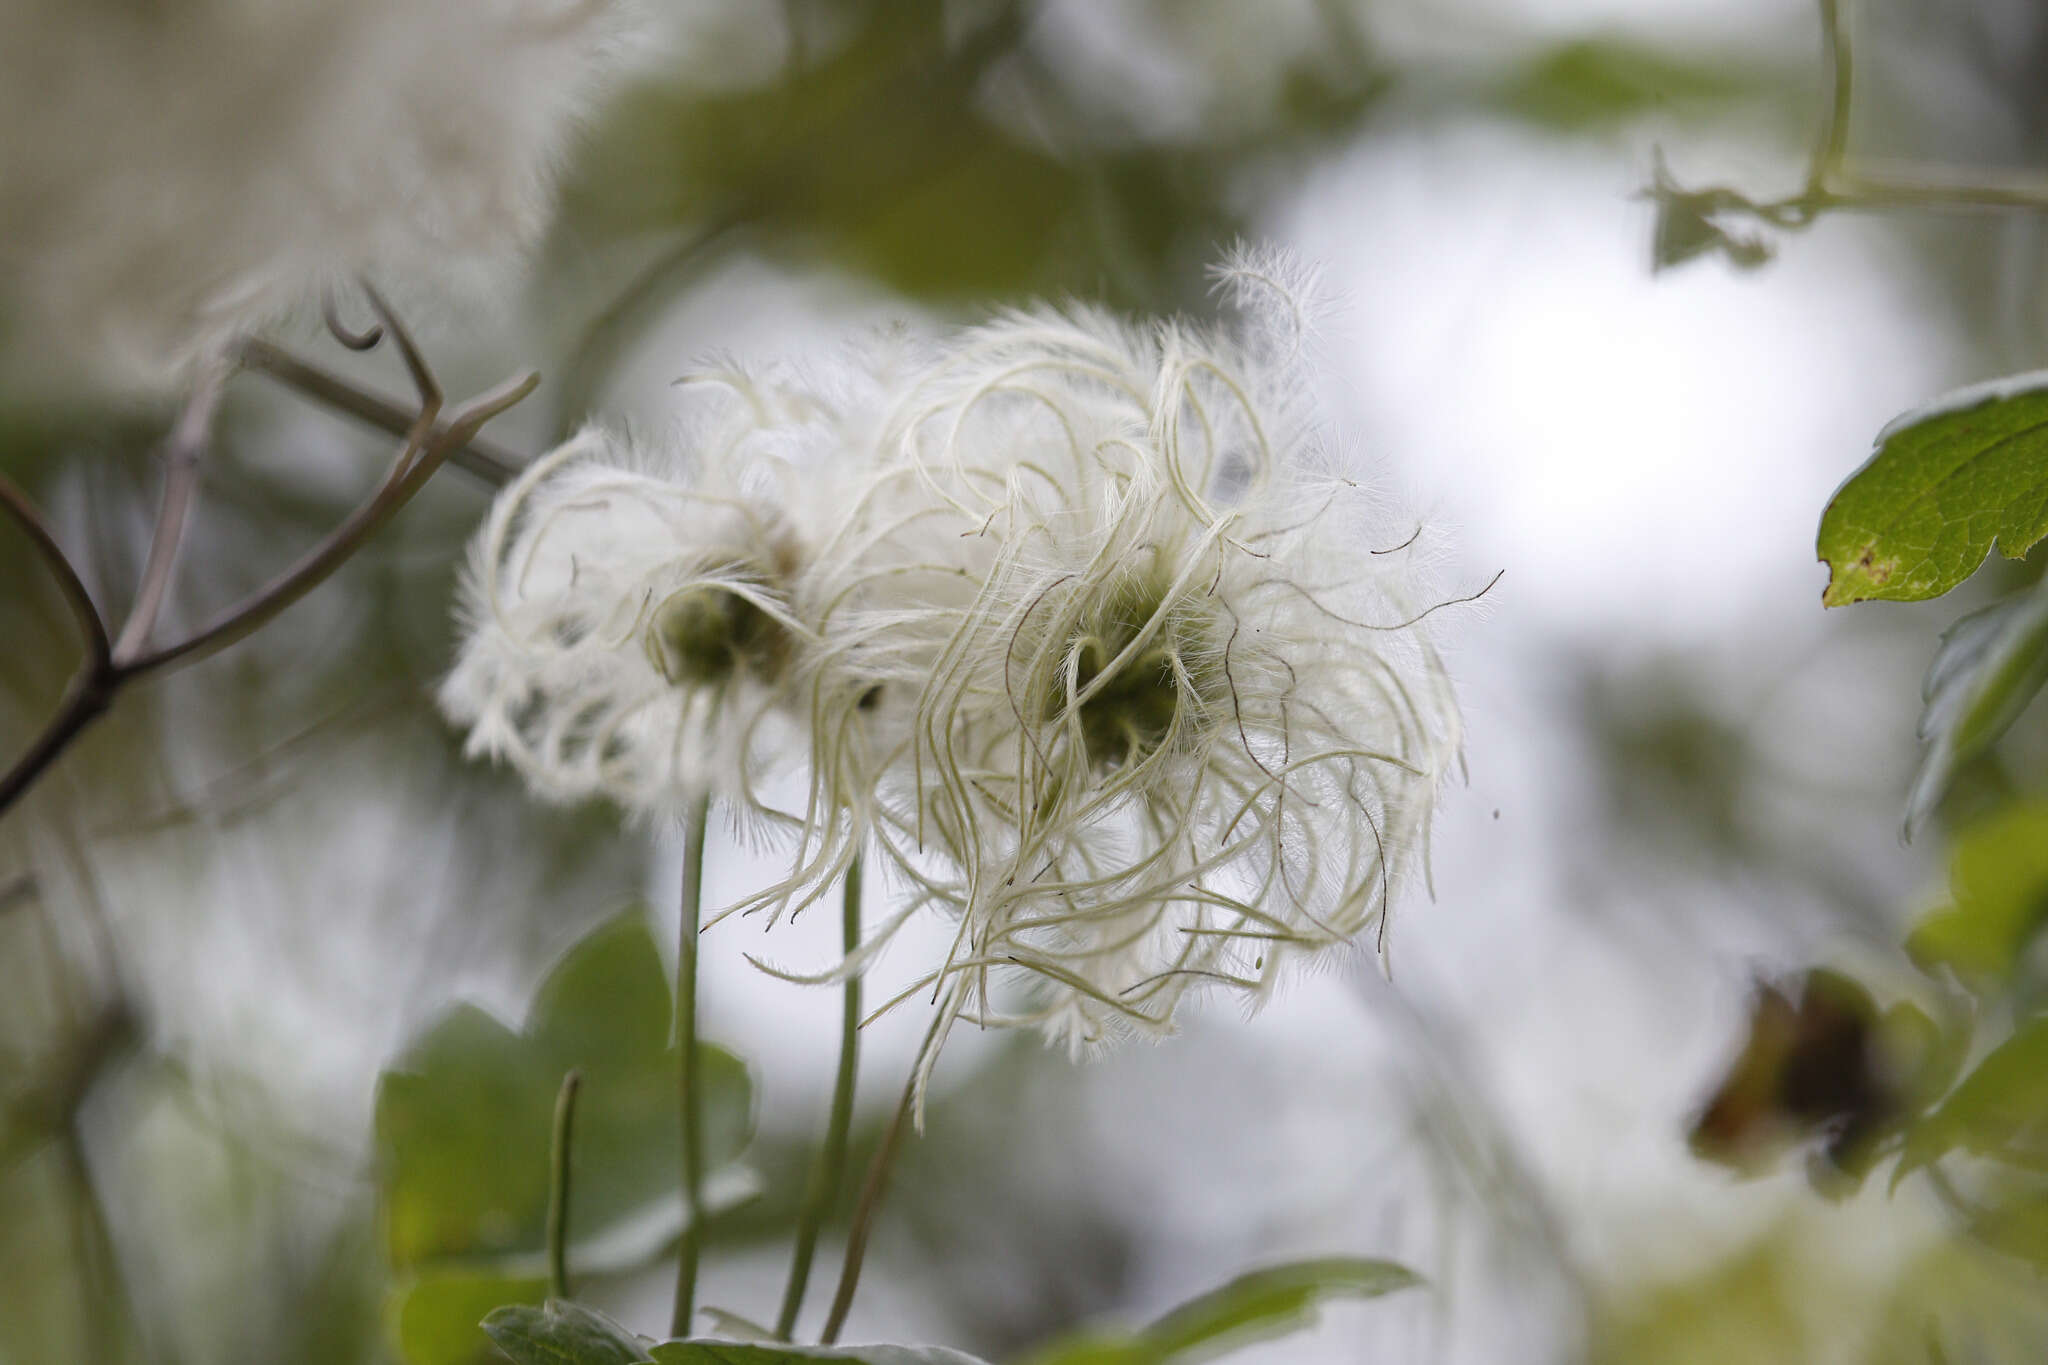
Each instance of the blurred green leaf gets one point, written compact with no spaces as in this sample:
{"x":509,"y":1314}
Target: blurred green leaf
{"x":1594,"y":81}
{"x":1686,"y":229}
{"x":53,"y":1308}
{"x":1273,"y":1302}
{"x":1745,"y":1305}
{"x":1998,"y":883}
{"x":562,"y":1334}
{"x":2017,"y":1226}
{"x":1999,"y":1110}
{"x":1945,"y":482}
{"x":438,"y":1312}
{"x":734,"y":1325}
{"x":337,"y":1319}
{"x":1990,"y":665}
{"x":884,"y":153}
{"x":698,"y":1352}
{"x":878,"y":146}
{"x":1263,"y":1304}
{"x":463,"y":1127}
{"x":1927,"y":1055}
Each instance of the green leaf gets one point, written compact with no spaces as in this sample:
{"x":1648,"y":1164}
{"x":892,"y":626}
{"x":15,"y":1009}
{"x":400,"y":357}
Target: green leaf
{"x":436,"y":1314}
{"x":463,"y":1120}
{"x":562,"y":1334}
{"x":1592,"y":81}
{"x":705,"y":1352}
{"x":1273,"y":1302}
{"x":1944,"y":483}
{"x":1925,"y":1053}
{"x":1686,"y":228}
{"x":1989,"y":666}
{"x":734,"y":1325}
{"x":2000,"y":1110}
{"x":1998,"y":886}
{"x":877,"y":149}
{"x":1263,"y":1304}
{"x":2017,"y":1226}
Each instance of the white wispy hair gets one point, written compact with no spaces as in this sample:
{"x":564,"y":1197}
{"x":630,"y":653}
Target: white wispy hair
{"x":1070,"y":620}
{"x":634,"y":614}
{"x":1168,"y":713}
{"x":174,"y":176}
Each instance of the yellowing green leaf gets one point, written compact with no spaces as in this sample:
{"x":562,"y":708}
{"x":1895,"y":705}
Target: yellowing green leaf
{"x":1998,"y":900}
{"x":2000,"y":1110}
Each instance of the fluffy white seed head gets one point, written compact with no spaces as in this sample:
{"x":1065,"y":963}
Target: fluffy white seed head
{"x":1169,"y":714}
{"x":1069,"y":619}
{"x":633,"y":617}
{"x":177,"y":175}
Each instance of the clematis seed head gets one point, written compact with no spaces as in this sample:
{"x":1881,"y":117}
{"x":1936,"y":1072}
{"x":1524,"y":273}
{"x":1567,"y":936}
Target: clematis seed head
{"x":702,"y":636}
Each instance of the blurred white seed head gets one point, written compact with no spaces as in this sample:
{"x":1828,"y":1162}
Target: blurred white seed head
{"x":174,"y":176}
{"x":1169,"y":714}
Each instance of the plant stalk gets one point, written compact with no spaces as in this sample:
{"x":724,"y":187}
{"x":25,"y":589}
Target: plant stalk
{"x":871,"y":1194}
{"x":487,"y":460}
{"x":695,"y":823}
{"x":828,"y":1173}
{"x":558,"y":1187}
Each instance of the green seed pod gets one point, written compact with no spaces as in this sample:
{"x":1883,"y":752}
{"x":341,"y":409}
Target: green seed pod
{"x":703,"y":635}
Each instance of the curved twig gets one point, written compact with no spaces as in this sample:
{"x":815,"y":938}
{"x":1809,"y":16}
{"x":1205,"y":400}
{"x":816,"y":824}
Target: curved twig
{"x":429,"y":441}
{"x":364,"y":340}
{"x":98,"y":648}
{"x":487,"y":460}
{"x":417,"y":459}
{"x":187,"y":442}
{"x":91,"y":687}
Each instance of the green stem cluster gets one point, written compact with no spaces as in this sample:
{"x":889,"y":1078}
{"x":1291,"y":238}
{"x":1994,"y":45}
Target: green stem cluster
{"x":827,"y":1175}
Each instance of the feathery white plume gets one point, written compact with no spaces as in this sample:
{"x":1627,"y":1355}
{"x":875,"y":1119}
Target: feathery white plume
{"x":1173,"y":715}
{"x":1071,"y":618}
{"x":632,"y":616}
{"x":175,"y":176}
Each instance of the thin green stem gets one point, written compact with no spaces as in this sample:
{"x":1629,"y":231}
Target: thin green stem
{"x":871,"y":1194}
{"x":1833,"y":145}
{"x":1832,"y":186}
{"x":695,"y":823}
{"x":828,"y":1173}
{"x":558,"y":1187}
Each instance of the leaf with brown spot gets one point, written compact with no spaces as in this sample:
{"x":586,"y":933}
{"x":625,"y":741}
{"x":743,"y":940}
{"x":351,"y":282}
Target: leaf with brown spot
{"x":1944,"y":483}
